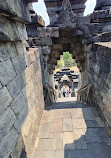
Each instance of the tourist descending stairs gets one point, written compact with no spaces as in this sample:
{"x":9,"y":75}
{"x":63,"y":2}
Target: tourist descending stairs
{"x":71,"y":130}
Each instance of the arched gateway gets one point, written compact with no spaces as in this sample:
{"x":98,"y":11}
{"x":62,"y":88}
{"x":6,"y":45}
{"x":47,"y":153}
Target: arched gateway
{"x":26,"y":73}
{"x":87,"y":39}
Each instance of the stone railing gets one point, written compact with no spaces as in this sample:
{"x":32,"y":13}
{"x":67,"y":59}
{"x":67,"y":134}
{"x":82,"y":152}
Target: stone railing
{"x":83,"y":93}
{"x":50,"y":95}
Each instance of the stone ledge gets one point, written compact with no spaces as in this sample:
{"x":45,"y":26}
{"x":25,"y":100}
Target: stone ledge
{"x":48,"y":32}
{"x":42,"y":41}
{"x":11,"y":30}
{"x":101,"y":16}
{"x":18,"y":10}
{"x":31,"y":1}
{"x":104,"y":44}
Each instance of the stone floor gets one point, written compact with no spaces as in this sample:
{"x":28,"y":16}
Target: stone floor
{"x":72,"y":133}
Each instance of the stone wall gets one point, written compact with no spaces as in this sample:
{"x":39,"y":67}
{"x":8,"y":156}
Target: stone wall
{"x":100,"y":77}
{"x":21,"y":91}
{"x":20,"y":88}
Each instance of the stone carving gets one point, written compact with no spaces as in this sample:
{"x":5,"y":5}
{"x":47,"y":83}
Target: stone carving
{"x":54,"y":8}
{"x":102,"y":4}
{"x":66,"y":18}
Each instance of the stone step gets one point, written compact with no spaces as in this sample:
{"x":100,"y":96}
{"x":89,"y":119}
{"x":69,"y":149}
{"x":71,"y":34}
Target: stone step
{"x":67,"y":105}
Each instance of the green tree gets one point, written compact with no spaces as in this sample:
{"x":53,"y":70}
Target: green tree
{"x":66,"y":60}
{"x":59,"y":63}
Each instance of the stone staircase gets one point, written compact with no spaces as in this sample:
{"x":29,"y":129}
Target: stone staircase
{"x":67,"y":105}
{"x":71,"y":130}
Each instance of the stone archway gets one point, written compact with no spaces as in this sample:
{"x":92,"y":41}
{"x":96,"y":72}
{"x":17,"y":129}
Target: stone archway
{"x":66,"y":34}
{"x":83,"y":37}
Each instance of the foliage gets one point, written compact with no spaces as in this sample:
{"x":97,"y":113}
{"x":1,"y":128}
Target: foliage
{"x":59,"y":64}
{"x":66,"y":60}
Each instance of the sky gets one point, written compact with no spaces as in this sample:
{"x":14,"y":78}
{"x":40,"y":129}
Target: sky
{"x":40,"y":9}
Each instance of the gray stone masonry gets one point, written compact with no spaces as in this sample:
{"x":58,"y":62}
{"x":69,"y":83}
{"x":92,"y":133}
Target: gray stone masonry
{"x":21,"y":91}
{"x":100,"y":70}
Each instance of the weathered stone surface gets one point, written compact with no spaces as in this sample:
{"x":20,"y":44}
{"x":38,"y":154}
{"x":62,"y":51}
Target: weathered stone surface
{"x":83,"y":20}
{"x":31,"y":55}
{"x":39,"y":154}
{"x":67,"y":125}
{"x":10,"y":8}
{"x":36,"y":65}
{"x":66,"y":113}
{"x":0,"y":85}
{"x":91,"y":123}
{"x":7,"y":120}
{"x":58,"y":137}
{"x":66,"y":18}
{"x":29,"y":1}
{"x":57,"y":126}
{"x":81,"y":143}
{"x":19,"y":63}
{"x":18,"y":104}
{"x":96,"y":135}
{"x":45,"y":130}
{"x":48,"y":32}
{"x":5,"y":99}
{"x":15,"y":86}
{"x":7,"y":72}
{"x":49,"y":154}
{"x":11,"y":49}
{"x":77,"y":113}
{"x":68,"y":139}
{"x":76,"y":153}
{"x":45,"y":50}
{"x":79,"y":139}
{"x":20,"y":48}
{"x":8,"y":143}
{"x":43,"y":41}
{"x":102,"y":3}
{"x":100,"y":71}
{"x":101,"y":16}
{"x":48,"y":116}
{"x":79,"y":123}
{"x":20,"y":119}
{"x":9,"y":31}
{"x":3,"y":53}
{"x":59,"y":153}
{"x":54,"y":8}
{"x":26,"y":74}
{"x":58,"y":114}
{"x":18,"y":149}
{"x":99,"y":122}
{"x":22,"y":31}
{"x":45,"y":144}
{"x":87,"y":113}
{"x":20,"y":109}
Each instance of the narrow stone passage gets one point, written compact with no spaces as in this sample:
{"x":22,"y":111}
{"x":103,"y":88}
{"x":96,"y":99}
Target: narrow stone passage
{"x":72,"y":133}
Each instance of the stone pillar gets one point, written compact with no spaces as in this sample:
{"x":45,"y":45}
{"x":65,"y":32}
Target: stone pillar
{"x":103,"y":4}
{"x":52,"y":10}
